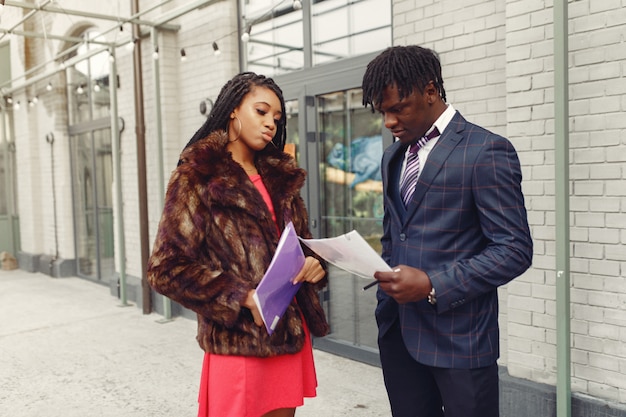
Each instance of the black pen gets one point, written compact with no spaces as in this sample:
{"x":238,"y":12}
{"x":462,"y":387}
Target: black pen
{"x":371,"y":284}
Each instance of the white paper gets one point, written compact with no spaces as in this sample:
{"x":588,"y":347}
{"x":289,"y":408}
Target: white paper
{"x":349,"y":252}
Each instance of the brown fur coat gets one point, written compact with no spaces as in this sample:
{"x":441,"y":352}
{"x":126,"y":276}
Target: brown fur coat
{"x":215,"y":240}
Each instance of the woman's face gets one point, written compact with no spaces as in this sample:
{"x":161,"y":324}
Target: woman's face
{"x":259,"y":114}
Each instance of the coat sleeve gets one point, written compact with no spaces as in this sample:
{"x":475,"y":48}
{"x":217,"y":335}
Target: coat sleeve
{"x":505,"y":248}
{"x":178,"y":267}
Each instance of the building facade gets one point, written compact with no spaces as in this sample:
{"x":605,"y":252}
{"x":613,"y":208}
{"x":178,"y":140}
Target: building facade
{"x":97,"y":104}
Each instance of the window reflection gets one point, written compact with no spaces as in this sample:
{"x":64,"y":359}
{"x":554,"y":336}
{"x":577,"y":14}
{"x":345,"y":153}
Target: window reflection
{"x":345,"y":28}
{"x":339,"y":29}
{"x":276,"y":42}
{"x":351,"y":198}
{"x":88,"y":84}
{"x":292,"y":145}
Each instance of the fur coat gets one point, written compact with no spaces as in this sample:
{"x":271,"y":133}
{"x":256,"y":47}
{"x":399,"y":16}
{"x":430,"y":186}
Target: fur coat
{"x":217,"y":237}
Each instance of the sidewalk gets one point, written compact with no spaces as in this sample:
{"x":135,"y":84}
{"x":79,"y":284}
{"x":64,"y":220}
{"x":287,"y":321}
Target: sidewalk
{"x":68,"y":349}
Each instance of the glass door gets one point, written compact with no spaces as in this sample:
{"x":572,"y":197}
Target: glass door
{"x":350,"y":148}
{"x":340,"y":143}
{"x":93,"y":206}
{"x":9,"y":219}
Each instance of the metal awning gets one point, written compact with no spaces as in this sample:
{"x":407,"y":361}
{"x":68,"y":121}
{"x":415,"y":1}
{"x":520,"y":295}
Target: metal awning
{"x":115,"y":23}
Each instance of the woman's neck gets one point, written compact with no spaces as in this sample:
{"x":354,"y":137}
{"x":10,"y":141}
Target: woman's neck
{"x":243,"y":156}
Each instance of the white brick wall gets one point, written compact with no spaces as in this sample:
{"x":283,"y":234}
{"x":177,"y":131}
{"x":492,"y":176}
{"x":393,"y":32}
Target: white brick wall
{"x":593,"y":73}
{"x":498,"y":71}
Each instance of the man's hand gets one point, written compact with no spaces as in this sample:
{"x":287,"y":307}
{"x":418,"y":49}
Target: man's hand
{"x":404,"y":283}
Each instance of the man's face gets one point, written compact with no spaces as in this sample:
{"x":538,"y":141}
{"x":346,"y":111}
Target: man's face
{"x":409,"y":118}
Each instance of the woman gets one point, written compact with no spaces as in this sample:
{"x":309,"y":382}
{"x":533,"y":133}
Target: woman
{"x":233,"y":192}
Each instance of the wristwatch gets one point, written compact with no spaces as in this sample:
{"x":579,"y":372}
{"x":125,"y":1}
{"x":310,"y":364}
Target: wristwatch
{"x":432,"y":298}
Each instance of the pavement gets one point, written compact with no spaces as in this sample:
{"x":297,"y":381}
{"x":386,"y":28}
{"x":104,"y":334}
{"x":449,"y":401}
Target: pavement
{"x":68,"y":348}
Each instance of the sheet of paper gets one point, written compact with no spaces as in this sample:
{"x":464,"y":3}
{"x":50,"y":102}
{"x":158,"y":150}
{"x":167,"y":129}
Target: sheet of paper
{"x":349,"y":252}
{"x":276,"y":289}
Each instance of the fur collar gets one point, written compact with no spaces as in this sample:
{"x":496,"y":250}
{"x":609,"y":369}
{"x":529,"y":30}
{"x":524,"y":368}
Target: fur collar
{"x":213,"y":167}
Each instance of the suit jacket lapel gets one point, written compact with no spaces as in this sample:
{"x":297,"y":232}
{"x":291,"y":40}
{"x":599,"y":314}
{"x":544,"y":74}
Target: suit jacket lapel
{"x":449,"y":139}
{"x":391,"y":178}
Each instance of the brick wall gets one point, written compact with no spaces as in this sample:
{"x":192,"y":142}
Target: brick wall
{"x":497,"y":59}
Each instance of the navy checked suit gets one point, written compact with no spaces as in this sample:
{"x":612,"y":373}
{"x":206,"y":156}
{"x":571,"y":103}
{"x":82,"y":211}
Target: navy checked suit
{"x":466,"y":227}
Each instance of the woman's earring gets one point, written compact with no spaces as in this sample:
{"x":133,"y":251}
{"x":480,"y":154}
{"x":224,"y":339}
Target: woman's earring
{"x":239,"y":132}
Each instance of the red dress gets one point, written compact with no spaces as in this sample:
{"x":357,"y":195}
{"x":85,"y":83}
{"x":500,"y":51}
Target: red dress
{"x":248,"y":386}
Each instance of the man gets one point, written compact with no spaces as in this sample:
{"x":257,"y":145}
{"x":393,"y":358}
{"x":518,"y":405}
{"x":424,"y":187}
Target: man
{"x":461,"y":233}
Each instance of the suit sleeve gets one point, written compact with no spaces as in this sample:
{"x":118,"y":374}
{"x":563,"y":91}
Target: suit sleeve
{"x":501,"y":242}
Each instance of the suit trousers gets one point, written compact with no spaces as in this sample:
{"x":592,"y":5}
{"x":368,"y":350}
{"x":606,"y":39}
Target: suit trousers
{"x":417,"y":390}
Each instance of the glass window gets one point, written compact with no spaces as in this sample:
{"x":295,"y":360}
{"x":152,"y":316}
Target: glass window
{"x":276,"y":43}
{"x":340,"y":29}
{"x":292,"y":145}
{"x":345,"y":28}
{"x":351,"y":199}
{"x":88,"y":84}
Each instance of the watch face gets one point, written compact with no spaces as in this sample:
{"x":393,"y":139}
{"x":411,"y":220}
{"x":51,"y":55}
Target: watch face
{"x":432,"y":299}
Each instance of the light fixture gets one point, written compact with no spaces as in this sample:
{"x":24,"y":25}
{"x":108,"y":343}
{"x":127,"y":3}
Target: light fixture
{"x":31,"y":103}
{"x":297,"y":4}
{"x":80,"y":90}
{"x":216,"y":49}
{"x":49,"y":87}
{"x":10,"y":100}
{"x":35,"y":100}
{"x":183,"y":55}
{"x":131,"y":45}
{"x":155,"y":54}
{"x":245,"y":37}
{"x":17,"y":105}
{"x":96,"y":87}
{"x":1,"y":6}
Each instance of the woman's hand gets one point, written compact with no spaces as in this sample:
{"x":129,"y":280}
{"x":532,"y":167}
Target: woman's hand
{"x":312,"y":271}
{"x":251,"y":305}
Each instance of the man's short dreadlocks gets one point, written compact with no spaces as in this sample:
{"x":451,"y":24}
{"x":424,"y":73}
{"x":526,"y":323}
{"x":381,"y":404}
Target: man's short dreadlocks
{"x":408,"y":67}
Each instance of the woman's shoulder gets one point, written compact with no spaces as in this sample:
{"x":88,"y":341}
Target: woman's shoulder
{"x":215,"y":142}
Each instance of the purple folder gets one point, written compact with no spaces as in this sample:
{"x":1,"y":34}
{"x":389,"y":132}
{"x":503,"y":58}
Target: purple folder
{"x":276,"y":289}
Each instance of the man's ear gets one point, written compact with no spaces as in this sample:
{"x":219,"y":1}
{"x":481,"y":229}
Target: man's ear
{"x":431,"y":92}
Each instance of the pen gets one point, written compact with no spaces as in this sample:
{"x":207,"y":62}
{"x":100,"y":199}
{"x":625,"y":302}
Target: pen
{"x":370,"y":285}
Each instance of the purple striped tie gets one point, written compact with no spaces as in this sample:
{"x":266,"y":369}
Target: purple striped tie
{"x":409,"y":180}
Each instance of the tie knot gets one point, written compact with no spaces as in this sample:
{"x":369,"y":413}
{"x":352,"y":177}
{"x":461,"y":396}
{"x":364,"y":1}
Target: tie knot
{"x":422,"y":141}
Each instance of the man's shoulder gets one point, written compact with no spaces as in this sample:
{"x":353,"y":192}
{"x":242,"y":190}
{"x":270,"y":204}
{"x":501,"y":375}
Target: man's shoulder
{"x":472,"y":131}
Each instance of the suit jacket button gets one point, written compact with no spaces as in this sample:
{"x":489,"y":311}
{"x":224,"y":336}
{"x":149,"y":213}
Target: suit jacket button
{"x":402,"y":237}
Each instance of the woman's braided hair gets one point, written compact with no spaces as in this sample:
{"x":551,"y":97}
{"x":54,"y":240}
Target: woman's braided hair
{"x":230,"y":97}
{"x":408,"y":67}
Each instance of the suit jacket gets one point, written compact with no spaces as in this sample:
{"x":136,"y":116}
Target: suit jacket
{"x":216,"y":239}
{"x":466,"y":227}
